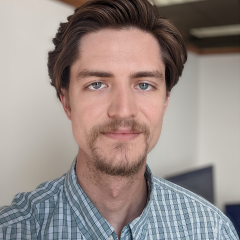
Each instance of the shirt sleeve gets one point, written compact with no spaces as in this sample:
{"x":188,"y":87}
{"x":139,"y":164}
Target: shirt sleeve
{"x":228,"y":232}
{"x":18,"y":221}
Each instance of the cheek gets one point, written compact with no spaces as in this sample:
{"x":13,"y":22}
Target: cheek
{"x":154,"y":112}
{"x":85,"y":115}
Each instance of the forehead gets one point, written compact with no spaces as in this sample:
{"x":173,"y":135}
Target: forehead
{"x":126,"y":48}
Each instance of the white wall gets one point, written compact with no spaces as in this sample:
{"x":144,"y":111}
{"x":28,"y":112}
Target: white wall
{"x":36,"y":142}
{"x":219,"y":118}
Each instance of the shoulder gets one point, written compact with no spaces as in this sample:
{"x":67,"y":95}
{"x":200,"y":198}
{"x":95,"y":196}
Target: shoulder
{"x":188,"y":207}
{"x":26,"y":206}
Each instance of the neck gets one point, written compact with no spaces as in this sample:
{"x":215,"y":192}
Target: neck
{"x":119,"y":199}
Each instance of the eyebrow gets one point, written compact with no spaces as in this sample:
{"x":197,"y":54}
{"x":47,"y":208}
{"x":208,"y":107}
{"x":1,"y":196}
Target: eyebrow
{"x":142,"y":74}
{"x":91,"y":73}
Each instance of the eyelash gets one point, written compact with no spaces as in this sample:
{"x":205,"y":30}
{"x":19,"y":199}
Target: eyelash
{"x":94,"y":89}
{"x":149,"y":85}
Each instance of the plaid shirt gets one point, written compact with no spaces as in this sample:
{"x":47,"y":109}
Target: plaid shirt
{"x":59,"y":209}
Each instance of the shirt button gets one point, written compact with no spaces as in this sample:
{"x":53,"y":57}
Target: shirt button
{"x":110,"y":238}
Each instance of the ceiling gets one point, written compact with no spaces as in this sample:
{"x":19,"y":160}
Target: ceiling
{"x":201,"y":14}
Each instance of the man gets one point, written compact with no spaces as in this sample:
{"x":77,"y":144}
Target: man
{"x":113,"y":67}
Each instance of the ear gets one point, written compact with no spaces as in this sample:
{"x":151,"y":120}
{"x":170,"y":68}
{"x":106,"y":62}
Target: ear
{"x":166,"y":102}
{"x":65,"y":102}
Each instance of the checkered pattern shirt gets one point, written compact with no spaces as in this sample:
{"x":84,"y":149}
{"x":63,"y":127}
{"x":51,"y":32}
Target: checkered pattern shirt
{"x":59,"y":209}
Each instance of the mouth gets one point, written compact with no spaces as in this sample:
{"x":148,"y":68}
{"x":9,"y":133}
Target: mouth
{"x":122,"y":135}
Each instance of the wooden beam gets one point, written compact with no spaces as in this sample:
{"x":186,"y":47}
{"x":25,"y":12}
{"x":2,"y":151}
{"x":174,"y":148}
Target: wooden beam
{"x":75,"y":3}
{"x":221,"y":50}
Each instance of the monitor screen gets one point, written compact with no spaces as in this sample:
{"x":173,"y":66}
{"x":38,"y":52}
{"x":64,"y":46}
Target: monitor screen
{"x":233,"y":213}
{"x":199,"y":181}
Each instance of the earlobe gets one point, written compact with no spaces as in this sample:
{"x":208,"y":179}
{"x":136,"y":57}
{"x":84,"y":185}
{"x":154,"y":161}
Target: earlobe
{"x":65,"y":103}
{"x":166,"y":102}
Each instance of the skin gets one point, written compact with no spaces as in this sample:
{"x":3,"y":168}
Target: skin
{"x":128,"y":58}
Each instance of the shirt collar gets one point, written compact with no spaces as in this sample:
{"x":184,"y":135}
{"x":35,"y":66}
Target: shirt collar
{"x":88,"y":218}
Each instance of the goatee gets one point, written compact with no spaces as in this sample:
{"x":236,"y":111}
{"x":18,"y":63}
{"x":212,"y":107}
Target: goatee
{"x":125,"y":167}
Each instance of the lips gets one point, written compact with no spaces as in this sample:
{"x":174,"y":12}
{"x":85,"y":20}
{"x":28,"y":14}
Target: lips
{"x":122,"y":134}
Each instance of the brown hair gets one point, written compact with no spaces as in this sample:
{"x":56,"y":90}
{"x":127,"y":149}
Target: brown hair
{"x":95,"y":15}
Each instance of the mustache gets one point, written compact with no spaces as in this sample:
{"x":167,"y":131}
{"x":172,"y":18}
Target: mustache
{"x":115,"y":124}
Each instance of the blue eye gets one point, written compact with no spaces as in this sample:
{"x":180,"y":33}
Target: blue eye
{"x":97,"y":85}
{"x":144,"y":86}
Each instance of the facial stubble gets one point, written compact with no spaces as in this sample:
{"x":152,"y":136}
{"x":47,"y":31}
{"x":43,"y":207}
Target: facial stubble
{"x":124,"y":167}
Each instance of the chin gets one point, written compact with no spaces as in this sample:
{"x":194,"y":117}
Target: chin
{"x":122,"y":162}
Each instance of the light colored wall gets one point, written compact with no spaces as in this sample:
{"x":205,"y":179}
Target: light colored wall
{"x":36,"y":142}
{"x":219,"y":118}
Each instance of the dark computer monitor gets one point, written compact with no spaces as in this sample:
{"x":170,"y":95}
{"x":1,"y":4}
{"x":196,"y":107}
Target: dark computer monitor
{"x":233,"y":213}
{"x":199,"y":181}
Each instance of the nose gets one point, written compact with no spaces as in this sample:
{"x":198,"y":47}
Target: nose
{"x":123,"y":103}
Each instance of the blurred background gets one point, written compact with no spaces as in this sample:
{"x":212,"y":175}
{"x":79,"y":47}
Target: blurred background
{"x":201,"y":127}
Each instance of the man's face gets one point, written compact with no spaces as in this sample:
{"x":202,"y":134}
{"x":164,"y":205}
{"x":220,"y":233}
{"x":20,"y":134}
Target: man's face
{"x":117,"y":98}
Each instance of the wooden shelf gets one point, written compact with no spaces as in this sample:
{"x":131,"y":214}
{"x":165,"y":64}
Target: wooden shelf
{"x":75,"y":3}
